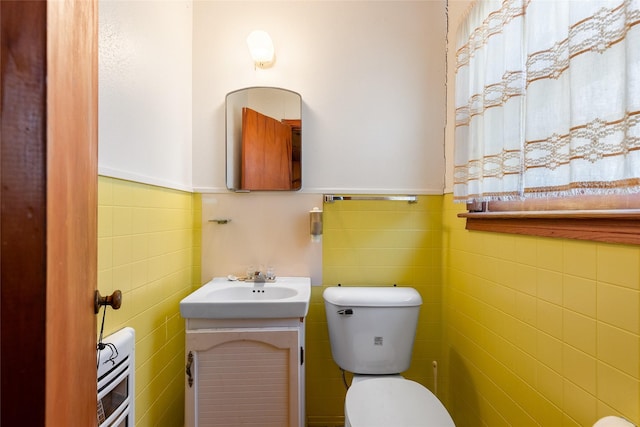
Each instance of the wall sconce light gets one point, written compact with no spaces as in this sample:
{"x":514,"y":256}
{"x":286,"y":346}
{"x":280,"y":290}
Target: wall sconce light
{"x":315,"y":224}
{"x":261,"y":48}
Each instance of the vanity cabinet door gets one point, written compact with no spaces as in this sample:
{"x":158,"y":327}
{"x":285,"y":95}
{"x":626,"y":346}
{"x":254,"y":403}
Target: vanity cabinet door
{"x":243,"y":377}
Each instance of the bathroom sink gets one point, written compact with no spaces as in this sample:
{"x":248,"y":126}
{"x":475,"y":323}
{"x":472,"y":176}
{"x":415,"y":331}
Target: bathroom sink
{"x":221,"y":298}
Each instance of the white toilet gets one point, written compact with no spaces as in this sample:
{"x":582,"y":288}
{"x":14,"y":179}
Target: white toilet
{"x":371,"y":330}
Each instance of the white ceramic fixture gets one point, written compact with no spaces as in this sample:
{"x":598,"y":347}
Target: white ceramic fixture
{"x":221,"y":298}
{"x":371,"y":332}
{"x":372,"y":329}
{"x":397,"y":402}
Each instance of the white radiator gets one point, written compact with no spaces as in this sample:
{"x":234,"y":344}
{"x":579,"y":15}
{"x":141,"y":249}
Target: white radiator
{"x":116,"y":364}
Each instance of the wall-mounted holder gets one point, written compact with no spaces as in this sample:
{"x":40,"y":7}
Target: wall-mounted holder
{"x":315,"y":224}
{"x":330,"y":198}
{"x":114,"y":300}
{"x":221,"y":220}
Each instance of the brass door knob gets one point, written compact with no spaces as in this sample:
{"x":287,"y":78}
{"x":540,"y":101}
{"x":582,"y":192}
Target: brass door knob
{"x":114,"y":300}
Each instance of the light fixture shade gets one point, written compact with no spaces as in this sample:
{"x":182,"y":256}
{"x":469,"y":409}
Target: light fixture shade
{"x":261,"y":48}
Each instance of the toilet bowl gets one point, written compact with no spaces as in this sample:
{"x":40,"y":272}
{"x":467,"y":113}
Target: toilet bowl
{"x":393,"y":401}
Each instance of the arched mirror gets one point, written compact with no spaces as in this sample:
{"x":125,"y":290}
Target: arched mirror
{"x":264,"y":139}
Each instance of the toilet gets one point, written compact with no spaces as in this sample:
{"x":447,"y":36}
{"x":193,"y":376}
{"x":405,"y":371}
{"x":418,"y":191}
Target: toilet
{"x":371,"y":331}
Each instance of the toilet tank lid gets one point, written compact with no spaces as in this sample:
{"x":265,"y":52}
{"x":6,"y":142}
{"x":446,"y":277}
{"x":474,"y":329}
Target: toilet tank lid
{"x":372,"y":296}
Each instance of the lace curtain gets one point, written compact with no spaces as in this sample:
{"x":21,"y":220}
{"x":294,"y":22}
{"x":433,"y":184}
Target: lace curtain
{"x":547,"y":99}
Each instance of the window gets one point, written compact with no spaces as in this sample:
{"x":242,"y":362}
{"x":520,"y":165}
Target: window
{"x":548,"y":116}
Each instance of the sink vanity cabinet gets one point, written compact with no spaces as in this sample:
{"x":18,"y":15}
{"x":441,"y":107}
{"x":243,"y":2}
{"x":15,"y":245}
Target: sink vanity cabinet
{"x":244,"y":373}
{"x":241,"y":369}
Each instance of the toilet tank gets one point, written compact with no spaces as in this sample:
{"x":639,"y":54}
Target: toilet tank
{"x":372,"y":329}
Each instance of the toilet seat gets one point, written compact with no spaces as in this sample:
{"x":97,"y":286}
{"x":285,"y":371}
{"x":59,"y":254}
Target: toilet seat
{"x":394,"y":402}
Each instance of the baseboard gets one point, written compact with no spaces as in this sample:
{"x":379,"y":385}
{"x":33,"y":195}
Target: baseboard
{"x":325,"y":421}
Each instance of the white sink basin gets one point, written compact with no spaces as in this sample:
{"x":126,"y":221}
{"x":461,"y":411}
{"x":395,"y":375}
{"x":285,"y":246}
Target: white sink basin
{"x":224,"y":299}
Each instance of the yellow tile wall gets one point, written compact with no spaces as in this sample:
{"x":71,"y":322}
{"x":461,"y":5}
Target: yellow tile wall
{"x":526,"y":330}
{"x":375,"y":243}
{"x":149,"y":248}
{"x":538,"y":331}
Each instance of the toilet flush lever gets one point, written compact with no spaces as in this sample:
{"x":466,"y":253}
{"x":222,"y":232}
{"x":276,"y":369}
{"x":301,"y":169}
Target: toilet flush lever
{"x":346,"y":312}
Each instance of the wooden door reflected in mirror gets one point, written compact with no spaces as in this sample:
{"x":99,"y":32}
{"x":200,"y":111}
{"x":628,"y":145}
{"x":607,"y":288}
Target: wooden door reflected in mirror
{"x":264,"y":140}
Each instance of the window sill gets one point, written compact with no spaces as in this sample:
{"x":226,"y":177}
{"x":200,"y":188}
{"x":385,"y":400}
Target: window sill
{"x":610,"y":226}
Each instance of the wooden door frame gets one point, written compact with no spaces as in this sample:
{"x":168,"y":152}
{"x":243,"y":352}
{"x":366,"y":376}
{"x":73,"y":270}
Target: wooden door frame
{"x":48,"y":186}
{"x":23,"y":213}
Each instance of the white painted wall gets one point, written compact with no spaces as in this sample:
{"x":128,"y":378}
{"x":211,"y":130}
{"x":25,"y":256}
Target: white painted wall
{"x":145,"y":85}
{"x":371,"y":75}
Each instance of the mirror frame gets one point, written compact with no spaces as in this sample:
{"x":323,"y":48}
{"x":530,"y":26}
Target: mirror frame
{"x":285,"y":105}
